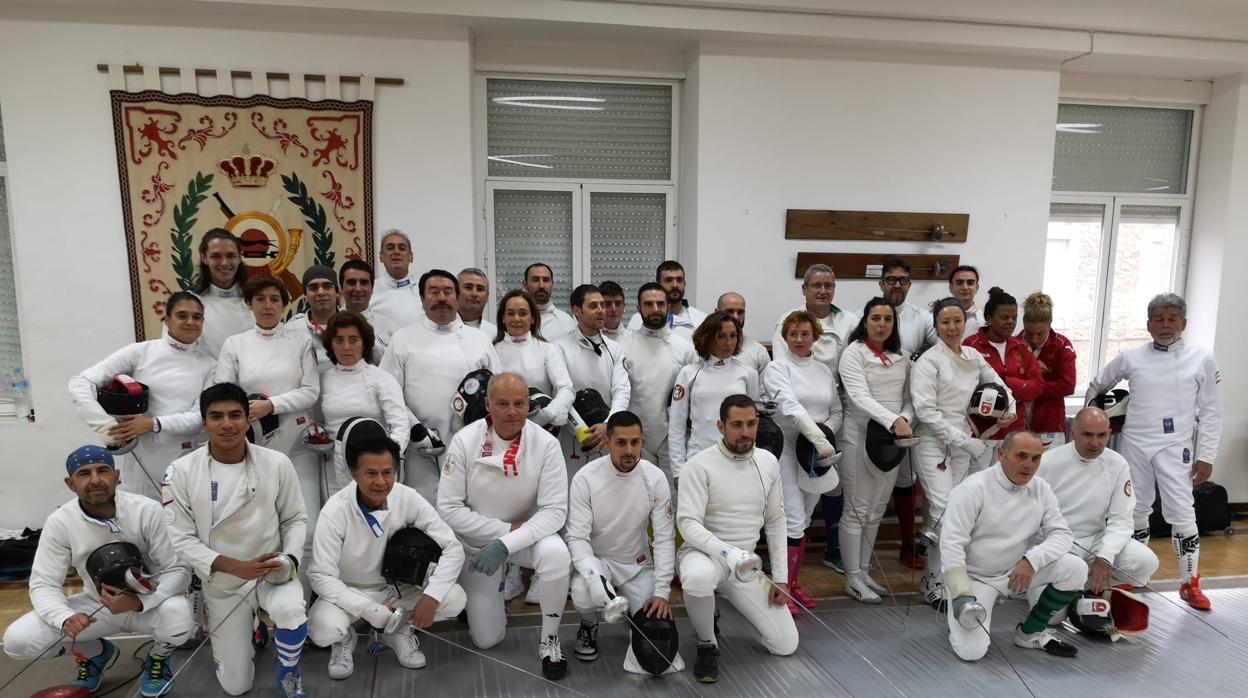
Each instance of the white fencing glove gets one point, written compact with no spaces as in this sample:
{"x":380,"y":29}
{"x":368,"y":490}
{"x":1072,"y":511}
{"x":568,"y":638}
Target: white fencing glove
{"x":95,"y":417}
{"x":382,"y":618}
{"x":745,"y":566}
{"x":808,"y":428}
{"x":967,"y":609}
{"x":284,"y":573}
{"x":973,"y":446}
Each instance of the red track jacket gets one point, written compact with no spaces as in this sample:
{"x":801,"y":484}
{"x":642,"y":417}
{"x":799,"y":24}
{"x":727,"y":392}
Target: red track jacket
{"x":1048,"y":412}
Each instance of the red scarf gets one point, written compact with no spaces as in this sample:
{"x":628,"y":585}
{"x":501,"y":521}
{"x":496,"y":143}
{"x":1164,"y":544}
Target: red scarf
{"x":878,"y":354}
{"x":509,"y":456}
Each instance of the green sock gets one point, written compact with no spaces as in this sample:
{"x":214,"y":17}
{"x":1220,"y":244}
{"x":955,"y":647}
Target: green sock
{"x":1051,"y":601}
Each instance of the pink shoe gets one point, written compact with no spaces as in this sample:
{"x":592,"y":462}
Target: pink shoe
{"x":795,"y":567}
{"x":800,"y":595}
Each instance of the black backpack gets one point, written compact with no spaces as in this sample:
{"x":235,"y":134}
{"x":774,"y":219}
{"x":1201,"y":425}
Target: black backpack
{"x":1213,"y":511}
{"x":17,"y":555}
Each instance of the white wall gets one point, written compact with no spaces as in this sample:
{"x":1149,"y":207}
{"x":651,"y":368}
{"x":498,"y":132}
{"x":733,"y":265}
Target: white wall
{"x":802,"y":129}
{"x":69,"y":244}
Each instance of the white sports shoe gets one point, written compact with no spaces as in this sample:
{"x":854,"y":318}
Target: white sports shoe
{"x":406,"y":647}
{"x":342,"y":657}
{"x":856,"y":585}
{"x":535,"y":591}
{"x":513,"y":585}
{"x":933,"y":590}
{"x":872,"y":584}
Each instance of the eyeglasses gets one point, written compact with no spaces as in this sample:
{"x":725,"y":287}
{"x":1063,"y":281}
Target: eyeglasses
{"x":896,"y":280}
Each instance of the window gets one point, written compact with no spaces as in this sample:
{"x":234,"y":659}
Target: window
{"x":1110,"y":252}
{"x":580,"y":176}
{"x":10,"y":340}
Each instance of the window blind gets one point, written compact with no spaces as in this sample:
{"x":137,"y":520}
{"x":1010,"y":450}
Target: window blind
{"x":628,"y":239}
{"x":1121,"y":149}
{"x":533,"y":226}
{"x":10,"y":340}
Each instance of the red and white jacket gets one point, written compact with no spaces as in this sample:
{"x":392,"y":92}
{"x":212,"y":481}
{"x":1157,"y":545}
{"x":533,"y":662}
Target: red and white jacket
{"x":1020,"y":372}
{"x":1047,"y":413}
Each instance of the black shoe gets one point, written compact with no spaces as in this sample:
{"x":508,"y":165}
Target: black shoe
{"x":586,"y":648}
{"x":554,"y":666}
{"x":706,"y":667}
{"x":717,"y":621}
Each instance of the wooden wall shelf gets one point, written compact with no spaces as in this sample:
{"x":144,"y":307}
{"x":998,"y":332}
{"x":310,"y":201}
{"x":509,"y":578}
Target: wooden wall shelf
{"x":806,"y":224}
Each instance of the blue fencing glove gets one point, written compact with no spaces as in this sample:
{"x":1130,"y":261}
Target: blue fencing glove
{"x":489,"y":559}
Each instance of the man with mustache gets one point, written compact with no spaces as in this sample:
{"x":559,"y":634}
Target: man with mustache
{"x":682,"y":318}
{"x":430,"y":359}
{"x":395,"y":293}
{"x":1175,"y":395}
{"x":539,"y":281}
{"x":1003,"y":534}
{"x":99,"y":515}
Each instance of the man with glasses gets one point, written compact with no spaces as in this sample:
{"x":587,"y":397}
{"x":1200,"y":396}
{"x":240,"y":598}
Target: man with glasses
{"x":913,"y":324}
{"x":963,"y":285}
{"x":819,"y":288}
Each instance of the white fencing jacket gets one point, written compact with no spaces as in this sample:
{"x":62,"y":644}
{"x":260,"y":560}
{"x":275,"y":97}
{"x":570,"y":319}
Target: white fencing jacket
{"x":302,"y":322}
{"x":941,"y":385}
{"x":602,"y":370}
{"x":991,"y":524}
{"x":488,"y":484}
{"x":556,"y":324}
{"x":801,"y":386}
{"x":363,"y":390}
{"x":652,"y":358}
{"x":1095,"y":497}
{"x":608,"y":512}
{"x":1174,"y":392}
{"x":874,"y":390}
{"x":696,"y":397}
{"x":225,"y":315}
{"x":837,"y":327}
{"x":725,"y":498}
{"x":349,"y":544}
{"x":70,"y":536}
{"x":175,"y":374}
{"x":542,"y":366}
{"x":382,"y":331}
{"x":265,"y":515}
{"x":489,"y":329}
{"x":277,"y":362}
{"x":754,"y":355}
{"x":915,"y":327}
{"x":396,"y":301}
{"x":429,"y":361}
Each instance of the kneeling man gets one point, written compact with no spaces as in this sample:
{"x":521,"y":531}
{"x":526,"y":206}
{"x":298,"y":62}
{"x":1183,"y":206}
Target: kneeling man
{"x":349,"y":546}
{"x":99,"y":516}
{"x":1092,"y":484}
{"x":727,"y":493}
{"x":612,"y":499}
{"x":1003,"y":534}
{"x":238,"y":518}
{"x":504,"y":492}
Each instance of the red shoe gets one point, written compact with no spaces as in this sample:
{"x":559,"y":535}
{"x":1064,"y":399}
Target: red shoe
{"x":799,"y":594}
{"x":793,"y":608}
{"x":1191,"y":593}
{"x":910,"y":559}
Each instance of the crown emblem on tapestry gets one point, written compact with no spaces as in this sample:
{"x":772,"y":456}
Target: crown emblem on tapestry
{"x":247,"y":170}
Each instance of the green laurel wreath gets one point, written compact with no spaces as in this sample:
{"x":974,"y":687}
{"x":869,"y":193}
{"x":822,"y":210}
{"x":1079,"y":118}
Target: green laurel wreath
{"x":183,"y":220}
{"x":314,"y":214}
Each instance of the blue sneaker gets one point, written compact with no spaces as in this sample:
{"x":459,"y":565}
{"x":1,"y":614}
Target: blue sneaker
{"x":91,"y":672}
{"x":157,"y":678}
{"x":289,"y":685}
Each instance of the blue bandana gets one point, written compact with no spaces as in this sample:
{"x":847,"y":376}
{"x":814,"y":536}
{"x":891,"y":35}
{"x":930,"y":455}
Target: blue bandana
{"x":89,"y":455}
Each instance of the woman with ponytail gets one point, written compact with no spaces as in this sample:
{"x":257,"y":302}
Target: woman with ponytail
{"x":1046,"y":415}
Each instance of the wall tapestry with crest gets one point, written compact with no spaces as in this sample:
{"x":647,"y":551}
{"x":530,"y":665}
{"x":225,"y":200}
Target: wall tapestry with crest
{"x":291,"y":178}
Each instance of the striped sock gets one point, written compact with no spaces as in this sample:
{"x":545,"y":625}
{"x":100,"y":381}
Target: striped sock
{"x":290,"y":645}
{"x":1051,"y":601}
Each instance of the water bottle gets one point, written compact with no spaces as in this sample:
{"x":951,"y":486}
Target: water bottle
{"x":21,"y":394}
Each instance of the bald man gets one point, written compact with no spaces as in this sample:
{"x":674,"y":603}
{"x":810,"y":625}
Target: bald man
{"x":504,"y":491}
{"x":1092,"y":484}
{"x":753,"y":354}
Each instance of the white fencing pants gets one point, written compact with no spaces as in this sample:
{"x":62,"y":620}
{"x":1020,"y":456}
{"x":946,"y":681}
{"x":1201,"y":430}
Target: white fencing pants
{"x":170,"y":624}
{"x":702,"y":575}
{"x":1067,"y":573}
{"x":866,"y":489}
{"x":940,"y":468}
{"x":798,"y":505}
{"x":634,"y":582}
{"x":1168,"y":470}
{"x":1135,"y":564}
{"x":328,"y":623}
{"x":487,"y":615}
{"x":232,"y":651}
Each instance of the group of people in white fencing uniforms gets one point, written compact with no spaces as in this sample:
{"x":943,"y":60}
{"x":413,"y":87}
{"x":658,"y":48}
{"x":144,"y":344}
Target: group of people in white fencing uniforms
{"x":297,"y":459}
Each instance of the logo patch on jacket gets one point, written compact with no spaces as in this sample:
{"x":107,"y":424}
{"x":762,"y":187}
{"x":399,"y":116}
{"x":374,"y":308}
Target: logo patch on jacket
{"x":678,"y":393}
{"x":1126,"y":488}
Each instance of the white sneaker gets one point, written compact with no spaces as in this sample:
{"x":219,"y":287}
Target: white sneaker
{"x":858,"y":588}
{"x":513,"y":585}
{"x":933,"y":590}
{"x":1046,"y":640}
{"x":406,"y":647}
{"x":342,"y":657}
{"x":872,"y":584}
{"x":534,"y":596}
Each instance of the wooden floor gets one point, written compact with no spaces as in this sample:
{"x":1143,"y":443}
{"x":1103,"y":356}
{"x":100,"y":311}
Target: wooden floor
{"x":1220,"y":556}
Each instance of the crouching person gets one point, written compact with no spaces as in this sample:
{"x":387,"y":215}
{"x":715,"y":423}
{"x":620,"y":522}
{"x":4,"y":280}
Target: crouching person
{"x":372,"y":553}
{"x":109,"y":537}
{"x":1003,"y":534}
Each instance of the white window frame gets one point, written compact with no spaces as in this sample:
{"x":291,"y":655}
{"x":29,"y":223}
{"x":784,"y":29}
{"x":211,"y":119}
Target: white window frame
{"x":580,"y":226}
{"x":1113,"y":203}
{"x":581,"y":209}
